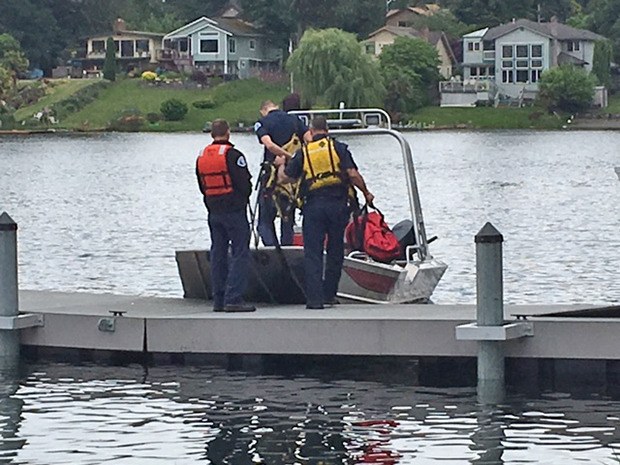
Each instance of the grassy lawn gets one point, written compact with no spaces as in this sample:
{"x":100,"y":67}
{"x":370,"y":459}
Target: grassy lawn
{"x":57,"y":90}
{"x":235,"y":101}
{"x":614,"y":104}
{"x":487,"y":118}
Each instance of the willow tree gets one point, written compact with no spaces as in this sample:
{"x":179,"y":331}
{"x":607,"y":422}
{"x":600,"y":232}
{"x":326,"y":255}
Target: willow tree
{"x":330,"y":67}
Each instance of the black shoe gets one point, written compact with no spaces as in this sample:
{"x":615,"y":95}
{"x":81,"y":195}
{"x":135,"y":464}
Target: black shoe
{"x":239,"y":308}
{"x":218,"y":308}
{"x":315,"y":307}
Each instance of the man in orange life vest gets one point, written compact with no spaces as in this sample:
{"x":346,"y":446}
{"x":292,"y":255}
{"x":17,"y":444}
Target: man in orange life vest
{"x":326,"y":169}
{"x":225,"y":183}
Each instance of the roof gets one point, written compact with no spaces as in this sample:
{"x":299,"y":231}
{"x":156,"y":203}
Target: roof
{"x":230,"y":26}
{"x":566,"y":59}
{"x":105,"y":35}
{"x":427,"y":9}
{"x":552,"y":29}
{"x":476,"y":34}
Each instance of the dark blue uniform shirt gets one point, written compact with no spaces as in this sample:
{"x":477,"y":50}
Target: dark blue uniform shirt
{"x":280,"y":126}
{"x":294,"y":169}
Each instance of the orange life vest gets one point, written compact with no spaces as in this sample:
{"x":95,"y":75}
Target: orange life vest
{"x":213,"y":171}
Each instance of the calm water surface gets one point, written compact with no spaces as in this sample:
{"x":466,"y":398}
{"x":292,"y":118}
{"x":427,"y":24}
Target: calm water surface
{"x":105,"y":213}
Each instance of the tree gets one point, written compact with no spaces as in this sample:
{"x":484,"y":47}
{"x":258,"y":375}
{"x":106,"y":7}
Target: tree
{"x":329,"y":67}
{"x":12,"y":58}
{"x":566,"y":88}
{"x":173,"y":109}
{"x":109,"y":65}
{"x":6,"y":83}
{"x":601,"y":62}
{"x":409,"y":65}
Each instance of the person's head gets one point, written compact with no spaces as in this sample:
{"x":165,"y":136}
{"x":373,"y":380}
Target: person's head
{"x":220,"y":130}
{"x":318,"y":125}
{"x":266,"y":107}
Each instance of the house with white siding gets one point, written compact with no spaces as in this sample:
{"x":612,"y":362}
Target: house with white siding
{"x":515,"y":54}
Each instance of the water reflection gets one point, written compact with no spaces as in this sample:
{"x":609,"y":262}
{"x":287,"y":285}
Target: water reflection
{"x":60,"y":414}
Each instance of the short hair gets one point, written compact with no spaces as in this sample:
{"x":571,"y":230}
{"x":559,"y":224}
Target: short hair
{"x":267,"y":104}
{"x":219,"y":128}
{"x":319,"y":123}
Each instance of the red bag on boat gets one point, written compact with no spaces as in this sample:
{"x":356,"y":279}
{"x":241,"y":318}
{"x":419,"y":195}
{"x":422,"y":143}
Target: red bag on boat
{"x":368,"y":232}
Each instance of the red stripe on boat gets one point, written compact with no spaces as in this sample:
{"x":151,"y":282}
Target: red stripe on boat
{"x":371,"y":281}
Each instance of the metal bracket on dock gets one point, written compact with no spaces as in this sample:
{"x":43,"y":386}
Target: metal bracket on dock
{"x":26,"y":320}
{"x":508,"y":331}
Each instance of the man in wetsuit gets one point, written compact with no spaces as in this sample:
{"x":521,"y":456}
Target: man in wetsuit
{"x":225,"y":183}
{"x":326,"y":169}
{"x":281,"y":134}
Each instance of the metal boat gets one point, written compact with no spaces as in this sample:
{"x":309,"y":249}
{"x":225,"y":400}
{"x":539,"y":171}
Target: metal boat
{"x":277,"y":275}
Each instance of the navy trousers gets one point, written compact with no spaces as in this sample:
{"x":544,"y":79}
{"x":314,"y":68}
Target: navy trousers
{"x":229,"y":274}
{"x":266,"y":229}
{"x":323,"y":216}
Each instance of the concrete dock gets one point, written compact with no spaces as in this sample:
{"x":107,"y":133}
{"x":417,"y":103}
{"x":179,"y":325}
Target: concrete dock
{"x":181,"y":326}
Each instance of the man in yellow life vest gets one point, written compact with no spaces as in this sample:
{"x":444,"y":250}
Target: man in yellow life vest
{"x":281,"y":134}
{"x":326,"y":169}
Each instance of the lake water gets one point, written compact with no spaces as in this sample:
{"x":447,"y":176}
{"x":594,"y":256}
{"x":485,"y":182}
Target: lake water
{"x":104,"y":213}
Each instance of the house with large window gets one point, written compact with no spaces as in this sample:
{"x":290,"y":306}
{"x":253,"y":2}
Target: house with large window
{"x":515,"y":54}
{"x":133,"y":49}
{"x":226,"y":45}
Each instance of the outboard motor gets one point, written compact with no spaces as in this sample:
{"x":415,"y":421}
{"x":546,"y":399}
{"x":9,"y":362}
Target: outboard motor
{"x":405,"y":234}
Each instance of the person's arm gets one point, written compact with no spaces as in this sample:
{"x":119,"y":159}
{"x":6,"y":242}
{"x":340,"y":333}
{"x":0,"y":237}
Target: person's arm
{"x":358,"y":181}
{"x":239,"y":174}
{"x":292,"y":170}
{"x":274,"y":148}
{"x":200,"y":186}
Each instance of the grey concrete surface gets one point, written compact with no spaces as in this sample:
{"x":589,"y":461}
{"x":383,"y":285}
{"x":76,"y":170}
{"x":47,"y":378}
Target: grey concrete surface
{"x":172,"y":325}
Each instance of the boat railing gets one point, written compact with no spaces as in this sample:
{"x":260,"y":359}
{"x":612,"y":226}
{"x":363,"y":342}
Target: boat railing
{"x":349,"y":118}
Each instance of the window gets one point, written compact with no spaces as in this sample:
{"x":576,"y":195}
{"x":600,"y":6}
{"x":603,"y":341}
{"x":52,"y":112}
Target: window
{"x":477,"y":46}
{"x":522,"y":51}
{"x":507,"y":75}
{"x":572,"y":46}
{"x":470,"y":46}
{"x":183,"y":45}
{"x":473,"y":71}
{"x":404,"y":24}
{"x":98,"y":46}
{"x":252,"y":44}
{"x":522,"y":63}
{"x":507,"y":64}
{"x":523,"y":75}
{"x":142,"y":46}
{"x":506,"y":51}
{"x":536,"y":51}
{"x":209,"y":46}
{"x":537,"y":64}
{"x":232,"y":46}
{"x":535,"y":75}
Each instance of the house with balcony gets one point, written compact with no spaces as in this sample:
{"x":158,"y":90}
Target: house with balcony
{"x":134,"y":49}
{"x":222,"y":46}
{"x":514,"y":55}
{"x":387,"y":34}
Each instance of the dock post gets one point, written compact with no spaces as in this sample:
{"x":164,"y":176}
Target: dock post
{"x":9,"y":338}
{"x":490,"y":312}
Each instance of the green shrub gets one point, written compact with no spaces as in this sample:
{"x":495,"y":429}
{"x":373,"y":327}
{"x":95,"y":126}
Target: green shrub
{"x":566,"y":88}
{"x":127,"y":121}
{"x":204,"y":104}
{"x":173,"y":110}
{"x":78,"y":100}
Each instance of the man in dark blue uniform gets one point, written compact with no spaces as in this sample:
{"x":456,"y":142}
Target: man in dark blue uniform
{"x":281,"y":134}
{"x":225,"y":183}
{"x":326,"y":169}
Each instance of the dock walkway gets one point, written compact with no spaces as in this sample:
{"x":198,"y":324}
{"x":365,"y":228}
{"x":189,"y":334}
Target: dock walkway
{"x":176,"y":326}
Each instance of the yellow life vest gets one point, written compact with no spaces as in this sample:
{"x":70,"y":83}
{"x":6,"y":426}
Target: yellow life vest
{"x":321,"y":164}
{"x":292,"y":145}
